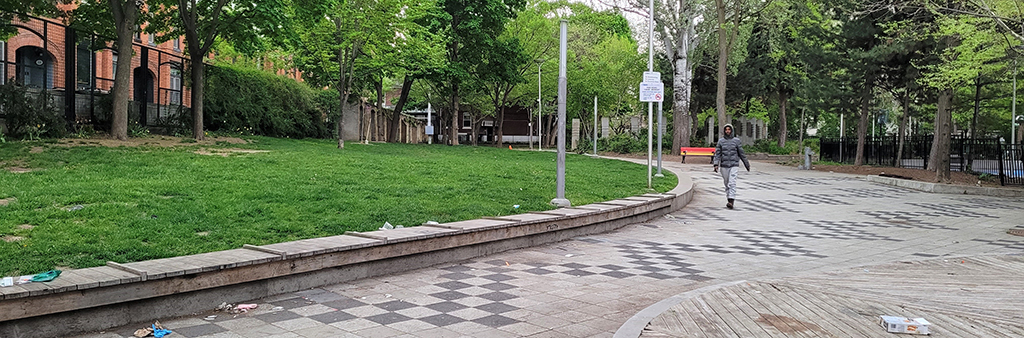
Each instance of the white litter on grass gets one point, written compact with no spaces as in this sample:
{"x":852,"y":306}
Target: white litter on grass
{"x":388,"y":226}
{"x":431,"y":223}
{"x":516,"y":206}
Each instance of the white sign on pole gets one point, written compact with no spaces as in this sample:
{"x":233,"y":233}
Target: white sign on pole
{"x":652,"y":91}
{"x":652,"y":77}
{"x":430,"y":130}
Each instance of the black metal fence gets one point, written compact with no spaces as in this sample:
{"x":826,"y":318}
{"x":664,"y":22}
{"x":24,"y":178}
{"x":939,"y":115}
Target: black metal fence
{"x":978,"y":155}
{"x":1012,"y":164}
{"x":76,"y":69}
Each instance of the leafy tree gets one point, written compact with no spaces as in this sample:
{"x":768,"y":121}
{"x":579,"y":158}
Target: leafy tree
{"x":470,"y":29}
{"x":245,"y":24}
{"x":122,"y":18}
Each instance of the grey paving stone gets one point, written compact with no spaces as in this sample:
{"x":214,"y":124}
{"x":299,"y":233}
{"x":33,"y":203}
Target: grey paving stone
{"x":199,"y":330}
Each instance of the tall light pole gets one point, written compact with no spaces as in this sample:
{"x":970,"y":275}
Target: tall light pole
{"x":650,"y":105}
{"x":560,"y":199}
{"x":595,"y":125}
{"x":661,"y":128}
{"x":1013,"y":109}
{"x":540,"y":124}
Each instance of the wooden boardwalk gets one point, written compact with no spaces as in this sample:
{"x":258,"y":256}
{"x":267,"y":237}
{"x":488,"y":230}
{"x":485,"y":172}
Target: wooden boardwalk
{"x":969,"y":297}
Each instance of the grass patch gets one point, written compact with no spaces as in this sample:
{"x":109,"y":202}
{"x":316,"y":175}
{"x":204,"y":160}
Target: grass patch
{"x":146,"y":202}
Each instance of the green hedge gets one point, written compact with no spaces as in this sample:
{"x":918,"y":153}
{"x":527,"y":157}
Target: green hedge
{"x":250,"y":101}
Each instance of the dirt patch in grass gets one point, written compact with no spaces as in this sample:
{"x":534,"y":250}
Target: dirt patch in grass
{"x":227,"y":151}
{"x":154,"y":141}
{"x":957,"y":178}
{"x":7,"y":201}
{"x":26,"y":227}
{"x":10,"y":239}
{"x":36,"y":150}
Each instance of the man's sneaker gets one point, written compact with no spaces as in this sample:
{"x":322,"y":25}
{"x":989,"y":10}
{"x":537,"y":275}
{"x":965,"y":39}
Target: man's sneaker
{"x":729,"y":205}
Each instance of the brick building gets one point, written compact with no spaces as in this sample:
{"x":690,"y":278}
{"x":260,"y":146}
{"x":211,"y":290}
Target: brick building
{"x":47,"y":55}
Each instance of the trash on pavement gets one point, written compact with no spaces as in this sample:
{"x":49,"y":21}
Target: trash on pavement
{"x":158,"y":331}
{"x":246,"y":307}
{"x":894,"y":324}
{"x":144,"y":332}
{"x":7,"y":281}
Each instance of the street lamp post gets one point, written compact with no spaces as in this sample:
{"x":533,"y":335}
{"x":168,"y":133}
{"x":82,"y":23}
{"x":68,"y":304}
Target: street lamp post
{"x":560,"y":199}
{"x":540,"y":104}
{"x":661,"y":129}
{"x":650,"y":105}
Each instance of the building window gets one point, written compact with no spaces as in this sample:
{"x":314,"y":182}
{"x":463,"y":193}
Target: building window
{"x":466,"y":123}
{"x":138,"y":33}
{"x":114,"y":66}
{"x":152,"y":39}
{"x":177,"y":44}
{"x":84,"y":75}
{"x":175,"y":85}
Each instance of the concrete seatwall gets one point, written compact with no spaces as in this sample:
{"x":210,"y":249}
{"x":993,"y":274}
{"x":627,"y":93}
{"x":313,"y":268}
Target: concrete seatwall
{"x":118,"y":294}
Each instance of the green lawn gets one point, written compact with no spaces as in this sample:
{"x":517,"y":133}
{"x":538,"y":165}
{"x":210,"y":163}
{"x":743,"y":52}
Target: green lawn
{"x":155,"y":202}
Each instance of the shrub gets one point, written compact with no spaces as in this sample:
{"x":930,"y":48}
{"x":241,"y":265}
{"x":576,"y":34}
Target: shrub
{"x":30,"y":115}
{"x":624,"y":143}
{"x":250,"y":101}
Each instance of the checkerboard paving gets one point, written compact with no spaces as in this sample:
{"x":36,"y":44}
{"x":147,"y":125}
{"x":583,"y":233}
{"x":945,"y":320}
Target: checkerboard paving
{"x":785,"y":222}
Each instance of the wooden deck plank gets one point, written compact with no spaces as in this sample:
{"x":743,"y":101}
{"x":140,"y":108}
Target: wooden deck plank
{"x":836,"y":311}
{"x":706,"y":323}
{"x":811,"y":312}
{"x":791,"y":318}
{"x":749,"y":312}
{"x":675,"y":322}
{"x":769,"y":313}
{"x":734,"y":317}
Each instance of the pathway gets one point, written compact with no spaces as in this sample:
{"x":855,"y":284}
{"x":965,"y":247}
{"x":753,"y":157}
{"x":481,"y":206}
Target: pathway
{"x":786,"y":223}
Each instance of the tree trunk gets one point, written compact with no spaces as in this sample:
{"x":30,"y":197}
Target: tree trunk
{"x":397,"y":114}
{"x":943,"y":130}
{"x":681,"y":85}
{"x":455,"y":117}
{"x":198,"y":86}
{"x":974,"y":122}
{"x":498,"y":125}
{"x":552,"y":130}
{"x":125,"y":15}
{"x":723,"y":63}
{"x":783,"y":101}
{"x":903,"y":130}
{"x":862,"y":127}
{"x":379,"y":87}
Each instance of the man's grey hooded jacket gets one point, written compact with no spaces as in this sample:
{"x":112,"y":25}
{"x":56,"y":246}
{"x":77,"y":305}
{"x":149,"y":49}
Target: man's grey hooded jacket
{"x":729,"y":151}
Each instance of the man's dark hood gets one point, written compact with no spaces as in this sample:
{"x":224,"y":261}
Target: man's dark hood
{"x":732,"y":132}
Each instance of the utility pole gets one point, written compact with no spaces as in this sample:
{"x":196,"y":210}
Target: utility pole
{"x":650,"y":105}
{"x":661,"y":129}
{"x":540,"y":108}
{"x":560,"y":199}
{"x":595,"y":125}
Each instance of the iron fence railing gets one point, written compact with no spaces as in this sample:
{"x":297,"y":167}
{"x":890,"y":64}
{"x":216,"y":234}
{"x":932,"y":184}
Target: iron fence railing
{"x":977,"y":155}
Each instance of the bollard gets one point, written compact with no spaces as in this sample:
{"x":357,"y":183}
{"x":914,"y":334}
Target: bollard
{"x":807,"y":159}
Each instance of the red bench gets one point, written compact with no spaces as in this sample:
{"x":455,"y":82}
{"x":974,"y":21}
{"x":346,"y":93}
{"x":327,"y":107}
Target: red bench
{"x":692,"y":151}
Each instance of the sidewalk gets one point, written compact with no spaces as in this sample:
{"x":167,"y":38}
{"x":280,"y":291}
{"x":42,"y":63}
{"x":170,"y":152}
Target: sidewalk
{"x":786,"y":223}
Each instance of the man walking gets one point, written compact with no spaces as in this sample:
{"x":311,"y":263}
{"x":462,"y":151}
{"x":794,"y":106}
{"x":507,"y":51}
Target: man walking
{"x":728,"y":154}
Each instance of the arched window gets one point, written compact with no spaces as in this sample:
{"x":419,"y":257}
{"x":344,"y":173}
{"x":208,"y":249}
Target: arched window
{"x":34,"y":67}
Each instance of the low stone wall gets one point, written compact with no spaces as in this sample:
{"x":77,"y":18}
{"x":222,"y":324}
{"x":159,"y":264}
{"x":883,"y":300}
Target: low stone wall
{"x":118,"y":294}
{"x":946,"y":188}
